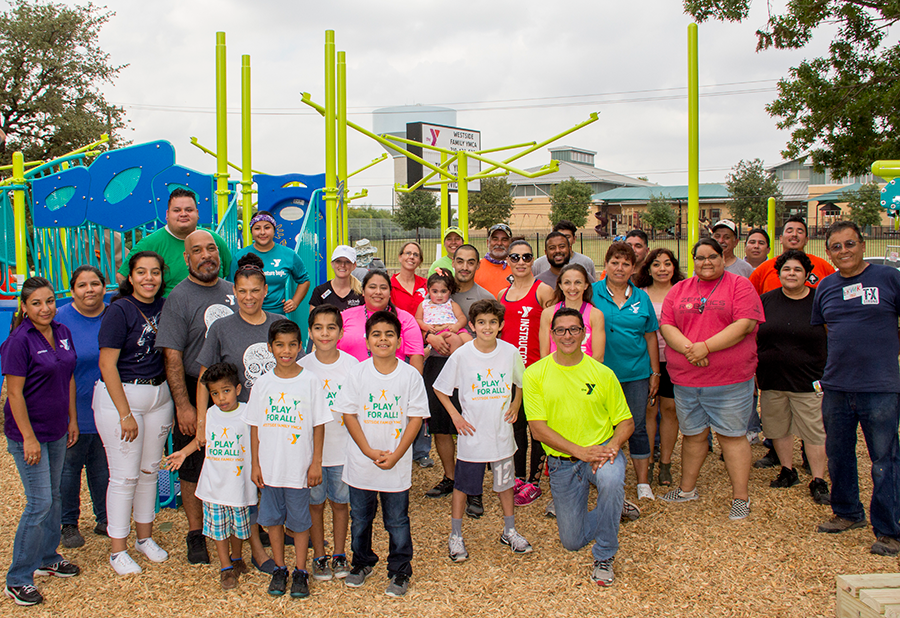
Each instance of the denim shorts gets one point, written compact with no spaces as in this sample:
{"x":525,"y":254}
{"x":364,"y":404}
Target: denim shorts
{"x":725,"y":409}
{"x":286,"y":506}
{"x":331,"y":487}
{"x":469,"y":476}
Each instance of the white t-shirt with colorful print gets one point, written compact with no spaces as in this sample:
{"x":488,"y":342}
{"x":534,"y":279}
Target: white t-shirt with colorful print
{"x":333,"y":378}
{"x":225,"y":478}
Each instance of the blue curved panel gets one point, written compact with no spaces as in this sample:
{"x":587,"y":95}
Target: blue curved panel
{"x":61,"y":200}
{"x":287,"y":204}
{"x":180,"y":177}
{"x":121,"y":195}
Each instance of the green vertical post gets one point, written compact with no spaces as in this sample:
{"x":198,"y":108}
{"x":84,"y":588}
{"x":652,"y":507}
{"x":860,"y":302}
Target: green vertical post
{"x":246,"y":169}
{"x":20,"y":225}
{"x":693,"y":143}
{"x":344,"y":235}
{"x":462,"y":176}
{"x":330,"y":151}
{"x":221,"y":130}
{"x":771,"y":221}
{"x":445,"y":205}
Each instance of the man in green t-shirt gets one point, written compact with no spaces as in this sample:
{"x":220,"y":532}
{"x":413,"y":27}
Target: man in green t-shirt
{"x":577,"y":410}
{"x":181,"y":220}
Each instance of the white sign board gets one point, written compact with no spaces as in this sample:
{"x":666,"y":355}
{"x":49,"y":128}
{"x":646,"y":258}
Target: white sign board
{"x":450,"y":138}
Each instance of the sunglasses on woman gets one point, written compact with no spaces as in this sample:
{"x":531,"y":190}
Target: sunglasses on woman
{"x":515,"y":257}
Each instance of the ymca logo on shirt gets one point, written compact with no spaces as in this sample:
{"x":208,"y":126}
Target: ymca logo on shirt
{"x":526,"y":311}
{"x":64,"y":343}
{"x":276,"y":262}
{"x":636,"y":307}
{"x":588,"y":388}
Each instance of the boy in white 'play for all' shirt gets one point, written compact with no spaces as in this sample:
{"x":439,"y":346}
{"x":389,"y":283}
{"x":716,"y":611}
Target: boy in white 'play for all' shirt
{"x":225,"y":486}
{"x":383,"y":404}
{"x":286,"y":414}
{"x":484,"y":371}
{"x":333,"y":368}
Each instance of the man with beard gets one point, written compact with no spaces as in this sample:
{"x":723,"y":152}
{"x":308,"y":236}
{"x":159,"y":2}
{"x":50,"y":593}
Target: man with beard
{"x":181,"y":220}
{"x":567,"y":229}
{"x":191,"y":308}
{"x":493,"y":274}
{"x":558,"y":252}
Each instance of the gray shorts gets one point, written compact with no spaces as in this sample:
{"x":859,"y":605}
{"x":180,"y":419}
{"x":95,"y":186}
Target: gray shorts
{"x":469,"y":476}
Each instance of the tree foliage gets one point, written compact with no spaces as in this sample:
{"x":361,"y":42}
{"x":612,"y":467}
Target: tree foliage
{"x":570,"y":200}
{"x":368,"y":212}
{"x":52,"y":67}
{"x":493,"y":204}
{"x":417,"y":209}
{"x":865,"y":205}
{"x":751,"y":186}
{"x":659,"y":214}
{"x":842,"y":109}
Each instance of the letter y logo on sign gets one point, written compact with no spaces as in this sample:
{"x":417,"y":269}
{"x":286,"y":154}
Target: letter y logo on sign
{"x":434,"y":136}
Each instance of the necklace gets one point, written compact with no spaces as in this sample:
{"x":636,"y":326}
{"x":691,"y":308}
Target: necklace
{"x":703,"y":299}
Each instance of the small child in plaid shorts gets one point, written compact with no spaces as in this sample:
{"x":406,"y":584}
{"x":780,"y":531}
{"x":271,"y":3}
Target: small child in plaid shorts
{"x":225,"y":486}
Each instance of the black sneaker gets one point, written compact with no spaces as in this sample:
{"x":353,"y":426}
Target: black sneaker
{"x":788,"y":477}
{"x":474,"y":506}
{"x":100,"y":529}
{"x":279,"y":582}
{"x":818,"y":489}
{"x":24,"y":595}
{"x":264,"y":537}
{"x":63,"y":568}
{"x":299,"y":584}
{"x":805,"y":464}
{"x":196,"y":548}
{"x":769,"y":460}
{"x":71,"y":536}
{"x":444,"y":488}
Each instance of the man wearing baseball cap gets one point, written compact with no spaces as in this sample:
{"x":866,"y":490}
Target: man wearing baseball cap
{"x":453,"y":240}
{"x":494,"y":274}
{"x":725,"y":233}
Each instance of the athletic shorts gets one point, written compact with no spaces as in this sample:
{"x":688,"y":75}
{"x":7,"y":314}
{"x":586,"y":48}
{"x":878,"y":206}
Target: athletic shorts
{"x":439,"y":422}
{"x":469,"y":476}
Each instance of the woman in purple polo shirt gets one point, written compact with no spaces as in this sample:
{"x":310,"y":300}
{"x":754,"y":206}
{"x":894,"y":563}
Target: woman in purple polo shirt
{"x":38,"y":360}
{"x":133,"y":408}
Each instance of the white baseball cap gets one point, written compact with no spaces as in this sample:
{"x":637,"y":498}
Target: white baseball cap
{"x":343,"y":251}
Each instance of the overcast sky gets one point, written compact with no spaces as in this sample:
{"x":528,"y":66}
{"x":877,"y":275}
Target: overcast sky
{"x":516,"y":71}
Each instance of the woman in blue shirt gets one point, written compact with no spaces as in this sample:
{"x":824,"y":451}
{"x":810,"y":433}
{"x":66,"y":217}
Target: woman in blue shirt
{"x":632,"y":351}
{"x":84,"y":316}
{"x":279,"y":264}
{"x":38,"y":360}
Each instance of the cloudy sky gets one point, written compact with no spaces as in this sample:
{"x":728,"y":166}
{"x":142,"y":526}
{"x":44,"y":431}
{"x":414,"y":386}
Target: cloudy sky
{"x":516,"y":71}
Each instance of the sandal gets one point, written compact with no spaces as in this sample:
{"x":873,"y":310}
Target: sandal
{"x":665,"y":474}
{"x":650,"y":471}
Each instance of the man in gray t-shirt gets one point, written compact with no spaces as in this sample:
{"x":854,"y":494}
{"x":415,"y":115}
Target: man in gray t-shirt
{"x":724,"y":232}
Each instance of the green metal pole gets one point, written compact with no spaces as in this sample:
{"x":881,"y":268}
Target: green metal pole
{"x":445,"y":205}
{"x":771,"y":221}
{"x":246,"y":172}
{"x":330,"y":150}
{"x":344,"y":236}
{"x":462,"y":192}
{"x":221,"y":130}
{"x":693,"y":143}
{"x":21,"y":227}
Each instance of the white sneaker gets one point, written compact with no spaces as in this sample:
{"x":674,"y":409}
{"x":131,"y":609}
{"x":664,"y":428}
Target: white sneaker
{"x":516,"y":541}
{"x":123,"y":564}
{"x":753,"y":438}
{"x":457,"y":548}
{"x":644,"y":492}
{"x":154,"y":552}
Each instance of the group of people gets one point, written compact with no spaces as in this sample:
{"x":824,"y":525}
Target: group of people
{"x":534,"y":365}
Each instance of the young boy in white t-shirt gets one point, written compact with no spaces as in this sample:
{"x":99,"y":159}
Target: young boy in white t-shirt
{"x":224,"y":485}
{"x":484,"y":371}
{"x":333,"y":367}
{"x":383,"y":403}
{"x":286,"y":414}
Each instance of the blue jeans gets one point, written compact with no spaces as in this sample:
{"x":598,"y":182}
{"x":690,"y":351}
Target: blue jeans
{"x":879,"y":416}
{"x":87,"y":453}
{"x":39,"y":529}
{"x":395,"y":513}
{"x":422,"y":444}
{"x":636,"y":394}
{"x":570,"y":483}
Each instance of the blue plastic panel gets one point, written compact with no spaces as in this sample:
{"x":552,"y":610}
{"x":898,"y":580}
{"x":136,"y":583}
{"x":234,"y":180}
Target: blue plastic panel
{"x":287,"y":204}
{"x":178,"y":176}
{"x":61,"y":200}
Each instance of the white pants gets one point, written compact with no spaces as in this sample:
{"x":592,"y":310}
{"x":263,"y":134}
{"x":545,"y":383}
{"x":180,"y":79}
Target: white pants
{"x":133,"y":466}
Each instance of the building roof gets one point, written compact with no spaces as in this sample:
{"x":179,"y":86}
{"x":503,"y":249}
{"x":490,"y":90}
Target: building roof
{"x":564,"y":148}
{"x":838,"y":195}
{"x":711,"y":191}
{"x":794,"y":190}
{"x":584,"y":173}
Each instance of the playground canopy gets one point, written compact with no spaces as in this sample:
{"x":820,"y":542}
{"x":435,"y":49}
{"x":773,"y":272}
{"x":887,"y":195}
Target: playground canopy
{"x":675,"y":193}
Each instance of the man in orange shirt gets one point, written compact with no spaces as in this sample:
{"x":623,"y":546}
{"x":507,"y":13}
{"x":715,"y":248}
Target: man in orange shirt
{"x":494,"y":274}
{"x":765,"y":277}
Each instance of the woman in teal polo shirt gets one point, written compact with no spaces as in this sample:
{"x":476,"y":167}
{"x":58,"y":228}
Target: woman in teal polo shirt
{"x":632,"y":351}
{"x":279,"y":264}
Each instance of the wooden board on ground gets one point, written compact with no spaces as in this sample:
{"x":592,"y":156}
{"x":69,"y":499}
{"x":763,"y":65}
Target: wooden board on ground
{"x":868,"y":596}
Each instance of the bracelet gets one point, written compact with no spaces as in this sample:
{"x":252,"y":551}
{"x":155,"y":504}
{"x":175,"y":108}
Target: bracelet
{"x":124,"y":418}
{"x":656,"y":373}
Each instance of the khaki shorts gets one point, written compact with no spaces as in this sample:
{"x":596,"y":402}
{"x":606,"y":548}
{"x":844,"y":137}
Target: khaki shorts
{"x":784,"y":413}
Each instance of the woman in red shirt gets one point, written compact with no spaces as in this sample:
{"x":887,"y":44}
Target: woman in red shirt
{"x":408,"y":288}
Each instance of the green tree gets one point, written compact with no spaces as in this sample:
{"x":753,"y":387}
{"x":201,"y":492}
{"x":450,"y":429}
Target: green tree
{"x":865,"y":205}
{"x":368,"y":212}
{"x":659,"y":214}
{"x":842,"y":109}
{"x":751,"y":186}
{"x":52,"y":67}
{"x":493,"y":204}
{"x":570,"y":200}
{"x":417,"y":209}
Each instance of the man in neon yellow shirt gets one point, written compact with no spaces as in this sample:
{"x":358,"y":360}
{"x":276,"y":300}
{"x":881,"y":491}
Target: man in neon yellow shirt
{"x":577,"y":410}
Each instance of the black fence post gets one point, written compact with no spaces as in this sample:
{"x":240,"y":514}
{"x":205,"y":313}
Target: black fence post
{"x":581,"y":239}
{"x":384,"y":247}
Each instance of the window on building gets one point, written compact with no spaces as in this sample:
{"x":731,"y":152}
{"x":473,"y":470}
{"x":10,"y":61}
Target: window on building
{"x":715,"y":214}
